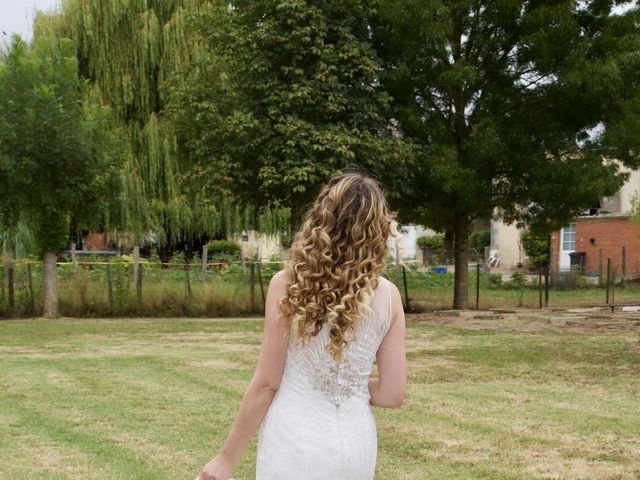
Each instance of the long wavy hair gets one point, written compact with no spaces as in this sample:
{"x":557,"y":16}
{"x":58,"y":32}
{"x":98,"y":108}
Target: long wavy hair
{"x":336,"y":258}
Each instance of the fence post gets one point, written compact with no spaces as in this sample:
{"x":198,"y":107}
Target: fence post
{"x":109,"y":282}
{"x":9,"y":271}
{"x":137,"y":272}
{"x":187,"y":274}
{"x":477,"y":286}
{"x":407,"y":300}
{"x":546,"y":286}
{"x":613,"y":284}
{"x":31,"y":293}
{"x":205,"y":261}
{"x":252,"y":286}
{"x":243,"y":262}
{"x":74,"y":262}
{"x":264,"y":300}
{"x":608,"y":276}
{"x":600,"y":270}
{"x":540,"y":285}
{"x":624,"y":266}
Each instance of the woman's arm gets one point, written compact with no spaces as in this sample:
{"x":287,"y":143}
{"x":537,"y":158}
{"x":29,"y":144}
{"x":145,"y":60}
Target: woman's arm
{"x":262,"y":389}
{"x":388,"y":389}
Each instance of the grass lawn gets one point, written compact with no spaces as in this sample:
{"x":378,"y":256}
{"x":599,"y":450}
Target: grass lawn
{"x":154,"y":399}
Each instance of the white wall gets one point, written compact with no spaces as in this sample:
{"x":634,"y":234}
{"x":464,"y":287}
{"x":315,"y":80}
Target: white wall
{"x":262,"y":244}
{"x":505,"y":240}
{"x":627,"y":192}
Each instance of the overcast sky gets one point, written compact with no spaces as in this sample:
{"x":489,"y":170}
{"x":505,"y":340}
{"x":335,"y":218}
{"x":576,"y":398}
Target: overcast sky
{"x":16,"y":16}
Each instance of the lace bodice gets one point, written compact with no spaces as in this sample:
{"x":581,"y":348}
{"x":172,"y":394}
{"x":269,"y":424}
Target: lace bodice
{"x":336,"y":382}
{"x":320,"y":425}
{"x":310,"y":365}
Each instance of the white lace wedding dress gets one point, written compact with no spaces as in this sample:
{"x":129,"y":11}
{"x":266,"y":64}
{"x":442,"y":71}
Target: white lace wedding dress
{"x":320,"y":425}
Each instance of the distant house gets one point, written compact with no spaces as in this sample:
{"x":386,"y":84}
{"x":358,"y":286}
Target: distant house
{"x":602,"y":232}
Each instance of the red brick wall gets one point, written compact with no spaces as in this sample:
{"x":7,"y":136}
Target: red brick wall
{"x":608,"y":234}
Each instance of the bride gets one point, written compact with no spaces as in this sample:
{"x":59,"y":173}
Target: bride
{"x":328,"y":315}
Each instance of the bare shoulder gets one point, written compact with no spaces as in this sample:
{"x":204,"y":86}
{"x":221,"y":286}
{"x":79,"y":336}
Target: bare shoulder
{"x":280,"y":280}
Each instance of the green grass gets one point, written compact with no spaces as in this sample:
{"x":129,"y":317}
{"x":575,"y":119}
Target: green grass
{"x":154,"y":399}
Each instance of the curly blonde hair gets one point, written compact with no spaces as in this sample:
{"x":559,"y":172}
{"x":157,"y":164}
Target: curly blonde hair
{"x":336,"y":259}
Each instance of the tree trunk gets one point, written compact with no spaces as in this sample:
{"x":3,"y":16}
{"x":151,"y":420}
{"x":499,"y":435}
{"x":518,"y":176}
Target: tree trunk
{"x":448,"y":245}
{"x":50,"y":286}
{"x":461,"y":281}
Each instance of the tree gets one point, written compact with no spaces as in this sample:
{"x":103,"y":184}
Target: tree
{"x":289,"y":97}
{"x":537,"y":246}
{"x":127,"y":49}
{"x":57,"y":158}
{"x":515,"y":106}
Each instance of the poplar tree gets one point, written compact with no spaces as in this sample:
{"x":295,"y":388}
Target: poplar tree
{"x":518,"y":107}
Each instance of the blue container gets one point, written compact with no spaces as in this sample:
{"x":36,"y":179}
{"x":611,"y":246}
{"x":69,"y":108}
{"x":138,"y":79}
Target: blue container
{"x":439,"y":269}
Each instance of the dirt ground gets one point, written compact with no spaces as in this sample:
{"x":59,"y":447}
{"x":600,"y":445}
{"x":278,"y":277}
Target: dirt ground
{"x":593,"y":319}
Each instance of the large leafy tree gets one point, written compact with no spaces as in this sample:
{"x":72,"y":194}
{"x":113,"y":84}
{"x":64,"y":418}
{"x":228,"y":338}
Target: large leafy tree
{"x":516,"y":107}
{"x":58,"y":157}
{"x":289,"y":96}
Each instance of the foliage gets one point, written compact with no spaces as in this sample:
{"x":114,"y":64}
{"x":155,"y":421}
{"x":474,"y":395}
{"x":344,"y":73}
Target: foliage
{"x":494,"y":280}
{"x":223,"y":246}
{"x":57,"y":148}
{"x":518,"y":280}
{"x":501,"y":99}
{"x":432,"y":241}
{"x":289,"y":96}
{"x":224,"y":250}
{"x":536,"y":246}
{"x":126,"y":50}
{"x":478,"y":241}
{"x":286,"y":239}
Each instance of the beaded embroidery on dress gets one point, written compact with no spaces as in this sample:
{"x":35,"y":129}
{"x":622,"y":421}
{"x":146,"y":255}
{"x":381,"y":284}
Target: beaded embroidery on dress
{"x":320,"y":425}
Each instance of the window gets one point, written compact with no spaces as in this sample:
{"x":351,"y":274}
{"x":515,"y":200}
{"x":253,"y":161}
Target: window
{"x":569,"y":237}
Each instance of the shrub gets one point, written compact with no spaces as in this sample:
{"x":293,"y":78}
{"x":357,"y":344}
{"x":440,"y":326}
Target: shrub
{"x":518,"y":280}
{"x":478,"y":241}
{"x":223,"y":250}
{"x":494,"y":280}
{"x":433,"y":242}
{"x":536,"y":247}
{"x":286,"y":239}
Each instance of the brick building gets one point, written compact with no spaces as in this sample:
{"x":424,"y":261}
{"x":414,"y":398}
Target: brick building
{"x":601,"y":232}
{"x":597,"y":238}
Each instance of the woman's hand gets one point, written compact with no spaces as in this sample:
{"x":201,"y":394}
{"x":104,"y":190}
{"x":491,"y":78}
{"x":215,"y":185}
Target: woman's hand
{"x":218,"y":468}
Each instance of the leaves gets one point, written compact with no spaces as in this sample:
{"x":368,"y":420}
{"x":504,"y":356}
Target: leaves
{"x":55,"y":149}
{"x":500,"y":96}
{"x":288,"y":97}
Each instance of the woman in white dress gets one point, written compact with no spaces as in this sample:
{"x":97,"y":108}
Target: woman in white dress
{"x":328,"y":316}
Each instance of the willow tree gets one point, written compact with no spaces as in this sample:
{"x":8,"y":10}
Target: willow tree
{"x":515,"y":104}
{"x":57,"y":157}
{"x":289,"y":97}
{"x":126,"y":49}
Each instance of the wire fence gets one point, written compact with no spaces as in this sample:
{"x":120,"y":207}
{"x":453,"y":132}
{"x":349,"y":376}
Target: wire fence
{"x":143,"y":288}
{"x":120,"y":287}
